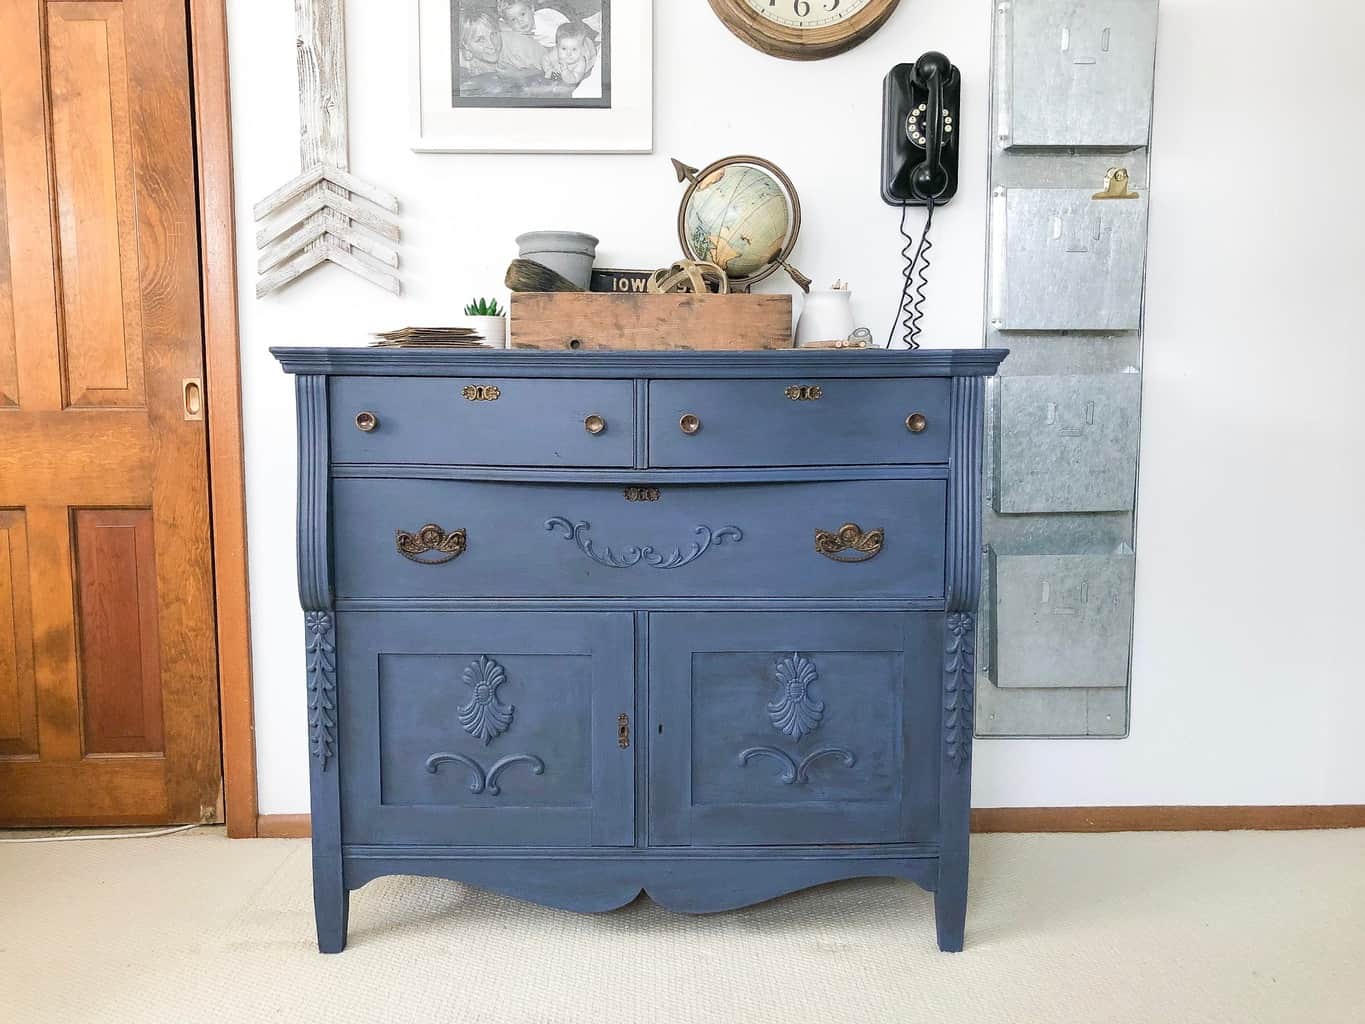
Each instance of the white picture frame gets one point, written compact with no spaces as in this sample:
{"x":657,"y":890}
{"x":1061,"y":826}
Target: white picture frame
{"x":439,"y":126}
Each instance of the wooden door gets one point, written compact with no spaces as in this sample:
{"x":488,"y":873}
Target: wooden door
{"x":108,"y":668}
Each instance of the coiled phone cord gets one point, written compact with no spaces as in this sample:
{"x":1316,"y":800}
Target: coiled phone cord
{"x":910,"y":312}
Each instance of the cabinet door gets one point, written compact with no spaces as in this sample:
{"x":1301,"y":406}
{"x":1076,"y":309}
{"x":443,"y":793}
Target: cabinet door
{"x":486,"y":729}
{"x":778,"y":728}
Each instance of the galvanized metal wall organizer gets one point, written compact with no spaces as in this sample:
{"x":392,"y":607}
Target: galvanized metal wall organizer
{"x":1071,"y":130}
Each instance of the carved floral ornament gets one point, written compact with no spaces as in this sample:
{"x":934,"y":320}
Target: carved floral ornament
{"x":793,"y":710}
{"x":484,"y":716}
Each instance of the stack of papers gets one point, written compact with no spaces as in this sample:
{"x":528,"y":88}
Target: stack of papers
{"x":430,"y":337}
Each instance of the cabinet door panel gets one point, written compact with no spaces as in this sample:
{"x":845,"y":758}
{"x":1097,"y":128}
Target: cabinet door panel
{"x":486,"y":729}
{"x":771,"y":728}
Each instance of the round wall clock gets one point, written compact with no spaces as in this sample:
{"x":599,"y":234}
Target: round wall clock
{"x":803,"y":29}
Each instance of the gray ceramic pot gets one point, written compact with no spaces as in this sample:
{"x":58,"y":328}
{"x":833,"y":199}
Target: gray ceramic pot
{"x":566,"y":252}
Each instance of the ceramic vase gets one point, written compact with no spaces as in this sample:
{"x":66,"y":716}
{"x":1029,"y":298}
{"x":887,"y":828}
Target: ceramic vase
{"x":827,"y":316}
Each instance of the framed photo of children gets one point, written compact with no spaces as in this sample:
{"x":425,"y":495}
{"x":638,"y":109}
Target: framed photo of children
{"x":533,"y":76}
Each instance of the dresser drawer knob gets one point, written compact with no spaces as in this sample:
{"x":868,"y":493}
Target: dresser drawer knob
{"x":366,"y":421}
{"x":594,"y":424}
{"x":431,"y":545}
{"x":850,"y":543}
{"x":690,"y":424}
{"x":915,"y":423}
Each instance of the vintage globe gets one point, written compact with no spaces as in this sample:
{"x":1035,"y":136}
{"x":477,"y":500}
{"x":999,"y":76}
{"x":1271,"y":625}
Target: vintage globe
{"x":737,"y":216}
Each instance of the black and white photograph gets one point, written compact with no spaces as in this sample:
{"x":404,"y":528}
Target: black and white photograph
{"x":530,"y":53}
{"x":532,"y":76}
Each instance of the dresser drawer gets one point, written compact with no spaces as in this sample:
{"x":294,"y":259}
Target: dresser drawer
{"x":807,"y":422}
{"x":693,"y":540}
{"x":483,"y":421}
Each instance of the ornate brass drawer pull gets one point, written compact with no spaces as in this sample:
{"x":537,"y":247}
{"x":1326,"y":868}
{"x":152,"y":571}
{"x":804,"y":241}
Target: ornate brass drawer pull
{"x":481,"y":392}
{"x":805,"y":392}
{"x":849,"y":543}
{"x":430,"y":540}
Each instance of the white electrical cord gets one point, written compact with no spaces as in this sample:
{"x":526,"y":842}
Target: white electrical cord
{"x":120,"y":835}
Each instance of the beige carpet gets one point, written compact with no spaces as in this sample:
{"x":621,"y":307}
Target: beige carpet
{"x":1189,"y":927}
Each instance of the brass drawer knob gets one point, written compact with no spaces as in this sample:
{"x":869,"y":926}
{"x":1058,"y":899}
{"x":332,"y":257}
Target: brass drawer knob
{"x":594,"y":424}
{"x":690,"y":424}
{"x":915,"y":423}
{"x":366,"y":421}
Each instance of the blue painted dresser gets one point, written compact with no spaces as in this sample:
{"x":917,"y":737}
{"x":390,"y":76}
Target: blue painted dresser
{"x":584,"y":624}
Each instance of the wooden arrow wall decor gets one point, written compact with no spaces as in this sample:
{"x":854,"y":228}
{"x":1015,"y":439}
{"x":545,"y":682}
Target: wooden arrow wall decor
{"x":326,"y":214}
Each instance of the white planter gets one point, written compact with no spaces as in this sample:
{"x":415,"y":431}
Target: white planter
{"x":493,"y":329}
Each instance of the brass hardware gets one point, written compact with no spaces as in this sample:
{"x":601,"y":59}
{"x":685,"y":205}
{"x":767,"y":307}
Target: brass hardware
{"x":481,"y":392}
{"x":366,"y":421}
{"x":430,"y":539}
{"x":916,"y":422}
{"x":1115,"y":185}
{"x":689,"y":424}
{"x":849,"y":543}
{"x":623,"y":731}
{"x":194,"y":398}
{"x":805,"y":392}
{"x":594,"y":424}
{"x":642,"y":494}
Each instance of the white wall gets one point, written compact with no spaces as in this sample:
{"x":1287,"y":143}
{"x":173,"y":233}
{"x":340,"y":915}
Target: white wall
{"x":1246,"y":685}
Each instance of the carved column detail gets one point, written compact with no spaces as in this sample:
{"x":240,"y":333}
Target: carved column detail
{"x":958,"y":688}
{"x":322,"y":686}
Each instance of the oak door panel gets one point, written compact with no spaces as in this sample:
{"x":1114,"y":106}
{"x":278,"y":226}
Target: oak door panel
{"x":9,"y":366}
{"x":100,"y":327}
{"x":18,"y":689}
{"x":119,"y":639}
{"x":93,"y":159}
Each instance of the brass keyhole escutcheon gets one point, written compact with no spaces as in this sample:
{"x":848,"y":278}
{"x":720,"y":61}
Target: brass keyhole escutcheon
{"x":690,"y":424}
{"x":915,"y":423}
{"x":594,"y":424}
{"x":623,"y":731}
{"x":366,"y":421}
{"x":481,"y":392}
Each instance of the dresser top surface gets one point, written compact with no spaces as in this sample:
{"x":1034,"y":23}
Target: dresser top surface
{"x":417,"y":362}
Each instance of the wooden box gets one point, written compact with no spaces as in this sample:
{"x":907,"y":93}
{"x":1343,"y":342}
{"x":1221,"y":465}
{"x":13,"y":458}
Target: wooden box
{"x":594,"y":321}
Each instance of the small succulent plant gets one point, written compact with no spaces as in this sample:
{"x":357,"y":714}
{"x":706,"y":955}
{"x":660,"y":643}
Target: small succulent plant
{"x":483,"y":307}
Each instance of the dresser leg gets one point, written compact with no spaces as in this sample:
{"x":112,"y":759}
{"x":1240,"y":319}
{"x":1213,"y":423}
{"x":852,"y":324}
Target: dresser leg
{"x":331,"y":905}
{"x":950,"y":903}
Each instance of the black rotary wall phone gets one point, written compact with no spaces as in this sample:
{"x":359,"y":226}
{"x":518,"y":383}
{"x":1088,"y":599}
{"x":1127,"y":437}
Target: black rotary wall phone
{"x":920,"y":130}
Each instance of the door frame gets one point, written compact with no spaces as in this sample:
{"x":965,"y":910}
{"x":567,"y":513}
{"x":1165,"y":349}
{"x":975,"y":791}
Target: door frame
{"x":210,"y":102}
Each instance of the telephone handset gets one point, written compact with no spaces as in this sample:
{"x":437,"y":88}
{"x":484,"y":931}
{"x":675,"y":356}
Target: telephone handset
{"x":920,"y":104}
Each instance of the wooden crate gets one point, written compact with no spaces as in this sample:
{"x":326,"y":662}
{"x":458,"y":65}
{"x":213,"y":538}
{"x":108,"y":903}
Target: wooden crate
{"x":593,"y":321}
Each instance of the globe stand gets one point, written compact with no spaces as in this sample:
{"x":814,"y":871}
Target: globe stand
{"x":779,"y":262}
